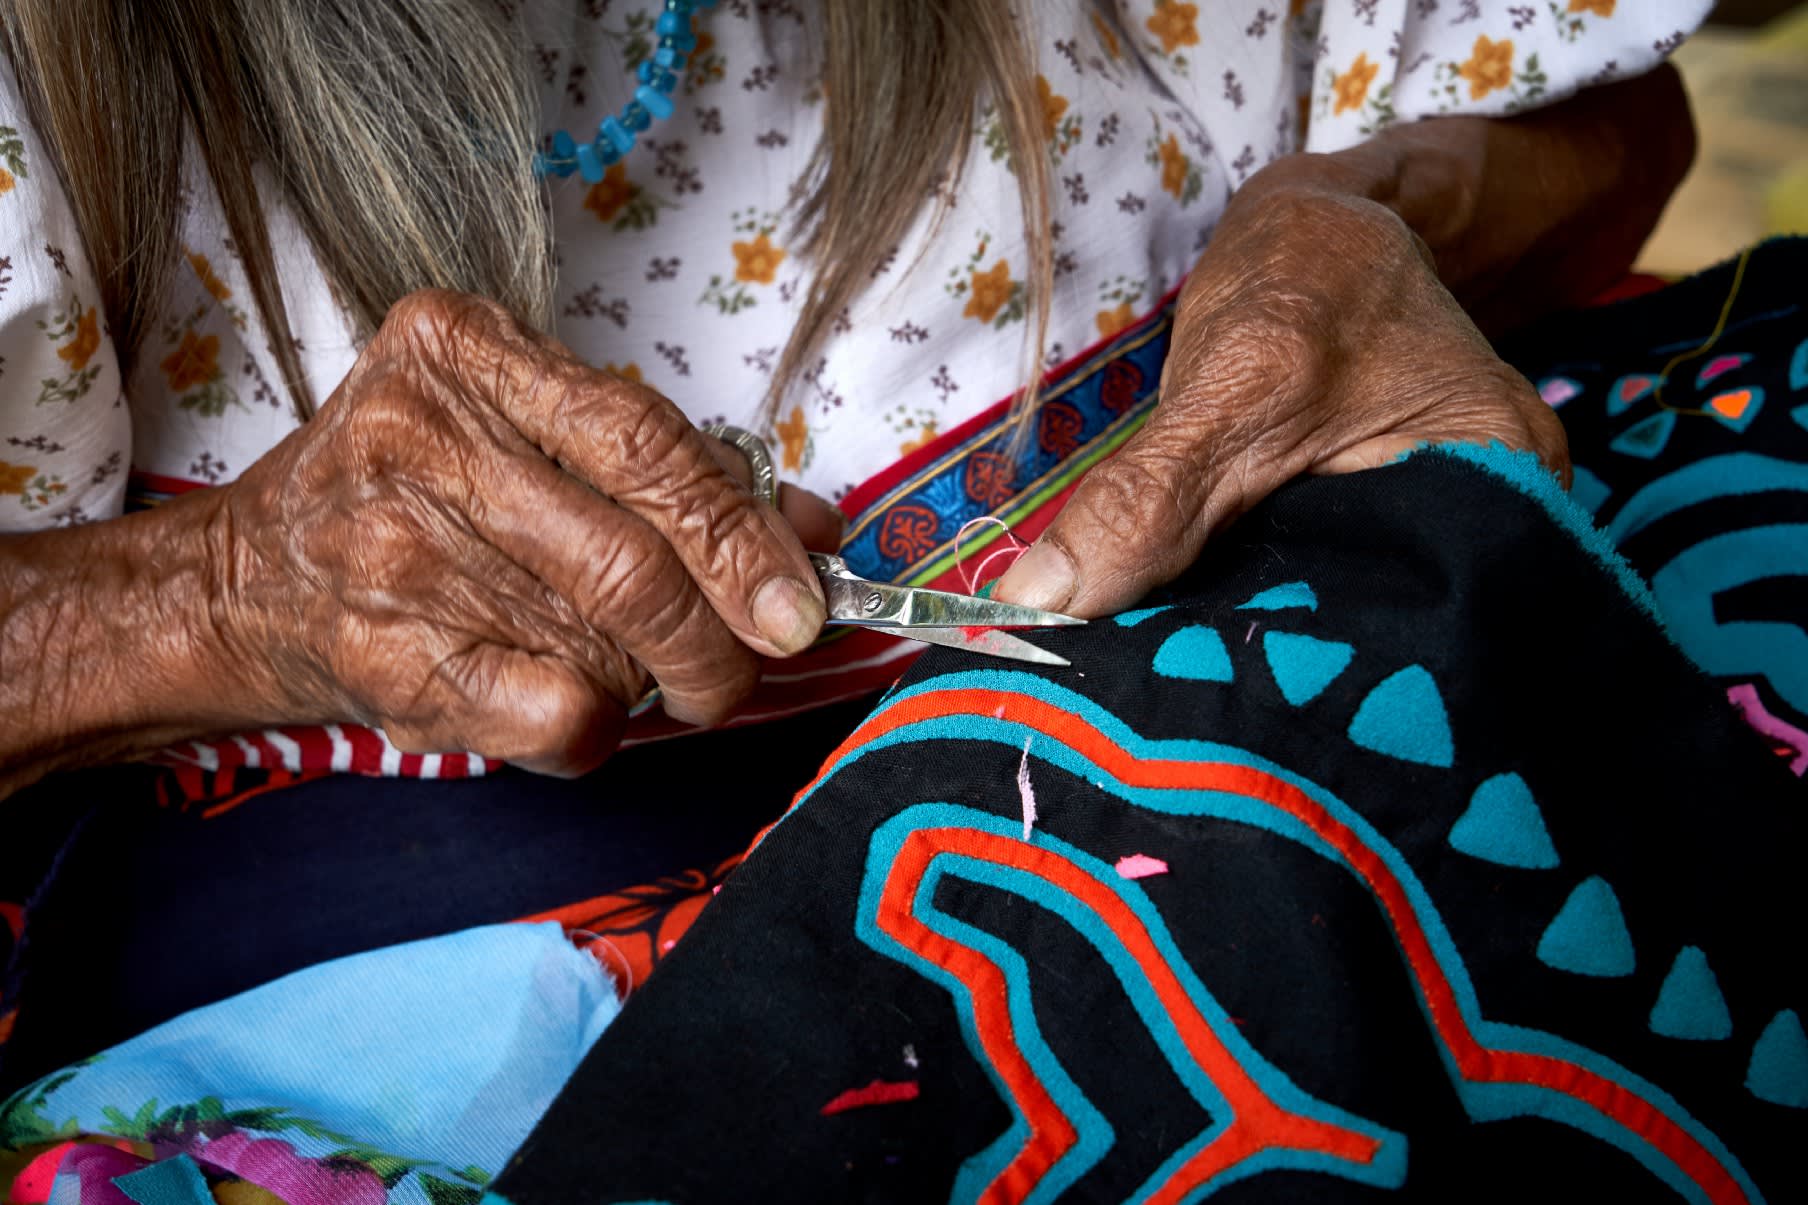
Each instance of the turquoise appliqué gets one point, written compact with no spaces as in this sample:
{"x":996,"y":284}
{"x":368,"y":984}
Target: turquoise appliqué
{"x":1195,"y":653}
{"x":1689,"y":1005}
{"x":1404,"y":717}
{"x":176,"y":1181}
{"x":1504,"y":825}
{"x":1646,"y":438}
{"x":1778,"y":1072}
{"x":1304,"y":665}
{"x":1624,"y":393}
{"x":1283,"y":597}
{"x":1589,"y":935}
{"x":1130,"y":619}
{"x":1588,"y":490}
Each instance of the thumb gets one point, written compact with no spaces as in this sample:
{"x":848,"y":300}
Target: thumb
{"x":1135,"y":522}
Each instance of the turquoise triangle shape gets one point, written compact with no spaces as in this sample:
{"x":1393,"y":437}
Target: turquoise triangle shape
{"x":1745,"y":418}
{"x":1778,"y":1071}
{"x":1589,"y":935}
{"x":1197,"y":653}
{"x":1689,"y":1004}
{"x":1626,"y":392}
{"x":1800,"y":415}
{"x":1503,"y":825}
{"x":1404,"y":717}
{"x":1798,"y":367}
{"x":1130,"y":619}
{"x":1588,"y":490}
{"x":1304,"y":665}
{"x":1283,"y":597}
{"x":1647,"y":437}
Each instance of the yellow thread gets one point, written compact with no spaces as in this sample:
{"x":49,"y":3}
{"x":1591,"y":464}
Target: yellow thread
{"x":1707,"y":346}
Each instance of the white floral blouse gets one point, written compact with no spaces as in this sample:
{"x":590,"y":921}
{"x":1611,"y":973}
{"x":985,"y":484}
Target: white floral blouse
{"x":675,"y":269}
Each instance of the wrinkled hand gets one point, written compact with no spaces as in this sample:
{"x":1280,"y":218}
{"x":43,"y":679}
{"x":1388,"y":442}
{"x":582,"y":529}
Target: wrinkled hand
{"x":481,"y":543}
{"x":1312,"y":337}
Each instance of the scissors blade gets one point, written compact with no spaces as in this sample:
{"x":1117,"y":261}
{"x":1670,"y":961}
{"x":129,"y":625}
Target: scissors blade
{"x":855,"y":600}
{"x":988,"y":641}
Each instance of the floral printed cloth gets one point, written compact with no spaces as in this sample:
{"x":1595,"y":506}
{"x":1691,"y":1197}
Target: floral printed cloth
{"x":678,"y":269}
{"x":404,"y":1075}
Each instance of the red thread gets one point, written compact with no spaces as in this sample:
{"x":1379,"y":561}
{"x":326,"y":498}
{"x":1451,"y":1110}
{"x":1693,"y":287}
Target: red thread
{"x":974,"y":580}
{"x":879,"y":1092}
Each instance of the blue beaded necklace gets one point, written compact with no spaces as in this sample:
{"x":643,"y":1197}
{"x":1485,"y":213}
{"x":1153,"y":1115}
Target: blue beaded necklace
{"x":652,"y":101}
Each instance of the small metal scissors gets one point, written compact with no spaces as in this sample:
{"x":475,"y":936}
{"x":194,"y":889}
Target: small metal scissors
{"x":962,"y":621}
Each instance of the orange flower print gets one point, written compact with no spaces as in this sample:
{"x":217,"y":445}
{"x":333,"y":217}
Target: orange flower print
{"x":1490,"y":66}
{"x":1175,"y":24}
{"x":14,"y":477}
{"x":209,"y":281}
{"x":1053,"y":105}
{"x":79,"y":350}
{"x":607,"y":196}
{"x":1600,"y":8}
{"x":1352,"y":87}
{"x":991,"y":289}
{"x":793,"y":435}
{"x":925,"y":437}
{"x":757,"y":262}
{"x":1110,"y":322}
{"x":1174,"y":165}
{"x":194,"y":362}
{"x":627,"y":372}
{"x":6,"y":181}
{"x":1106,"y":37}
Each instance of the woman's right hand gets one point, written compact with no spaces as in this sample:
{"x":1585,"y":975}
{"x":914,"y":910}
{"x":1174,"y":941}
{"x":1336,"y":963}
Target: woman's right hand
{"x":481,"y":543}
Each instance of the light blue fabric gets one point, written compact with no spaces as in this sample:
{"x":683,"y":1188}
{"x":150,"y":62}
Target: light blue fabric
{"x":432,"y":1060}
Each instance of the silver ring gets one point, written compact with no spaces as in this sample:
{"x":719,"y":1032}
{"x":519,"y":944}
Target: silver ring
{"x":759,"y":457}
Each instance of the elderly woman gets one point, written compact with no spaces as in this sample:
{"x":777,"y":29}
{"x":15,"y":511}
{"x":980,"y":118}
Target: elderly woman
{"x":393,"y":327}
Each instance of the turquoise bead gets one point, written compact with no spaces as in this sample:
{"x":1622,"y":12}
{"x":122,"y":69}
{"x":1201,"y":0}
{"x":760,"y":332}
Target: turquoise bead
{"x":612,"y":131}
{"x":590,"y":166}
{"x":659,"y":105}
{"x":658,"y":75}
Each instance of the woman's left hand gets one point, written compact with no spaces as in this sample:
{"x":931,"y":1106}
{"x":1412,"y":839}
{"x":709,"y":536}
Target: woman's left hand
{"x":1312,"y":337}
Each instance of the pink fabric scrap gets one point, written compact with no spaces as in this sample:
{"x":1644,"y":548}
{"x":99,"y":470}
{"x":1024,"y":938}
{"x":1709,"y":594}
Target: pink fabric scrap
{"x":275,"y":1166}
{"x":1751,"y":707}
{"x":1140,"y":866}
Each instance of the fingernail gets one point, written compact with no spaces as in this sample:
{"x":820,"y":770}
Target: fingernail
{"x":1042,"y":578}
{"x":787,"y":613}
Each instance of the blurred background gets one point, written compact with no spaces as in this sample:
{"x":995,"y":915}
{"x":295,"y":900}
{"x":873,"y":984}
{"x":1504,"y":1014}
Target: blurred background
{"x":1747,"y":74}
